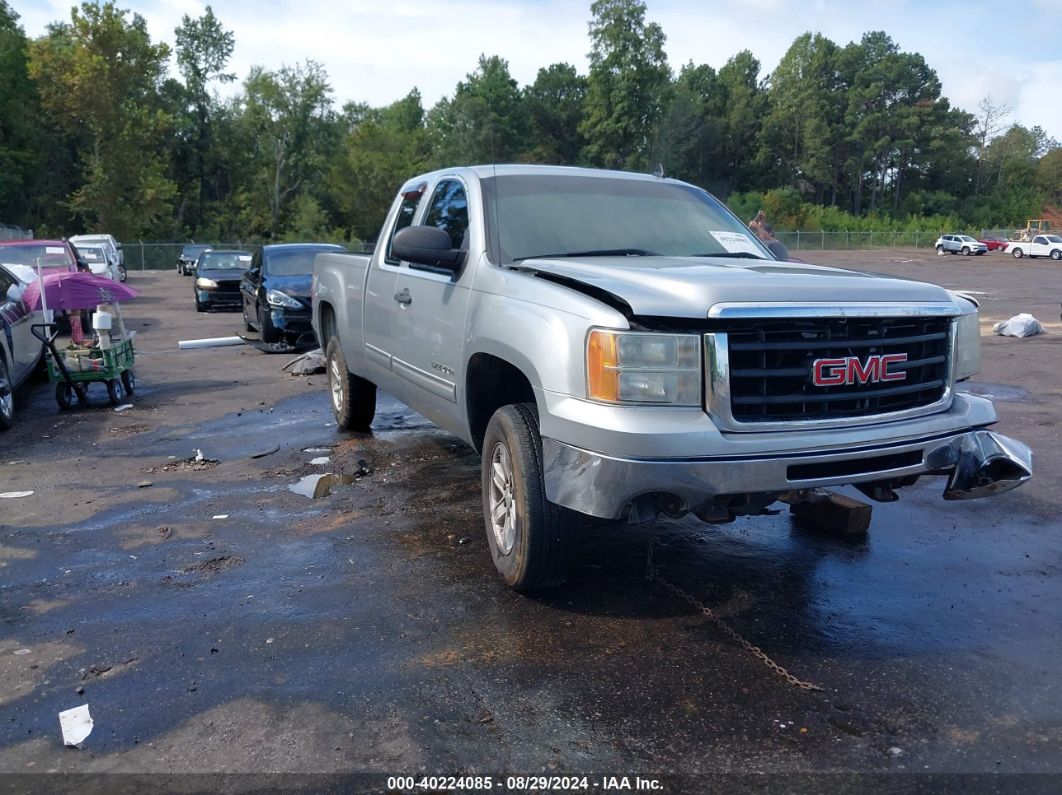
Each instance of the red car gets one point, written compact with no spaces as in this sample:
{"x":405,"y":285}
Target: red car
{"x":51,"y":255}
{"x":994,"y":243}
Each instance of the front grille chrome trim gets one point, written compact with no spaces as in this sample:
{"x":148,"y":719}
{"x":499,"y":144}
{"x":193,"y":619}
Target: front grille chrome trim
{"x":718,"y":391}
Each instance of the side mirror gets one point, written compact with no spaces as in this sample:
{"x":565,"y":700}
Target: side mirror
{"x":14,"y":293}
{"x":427,"y":245}
{"x":779,"y":249}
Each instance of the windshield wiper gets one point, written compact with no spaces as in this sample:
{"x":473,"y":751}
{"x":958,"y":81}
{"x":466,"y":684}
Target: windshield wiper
{"x":733,"y":255}
{"x":600,"y":252}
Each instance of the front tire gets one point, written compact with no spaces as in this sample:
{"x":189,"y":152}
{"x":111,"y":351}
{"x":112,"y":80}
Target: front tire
{"x":1056,"y":254}
{"x":353,"y":398}
{"x":966,"y":251}
{"x":115,"y":391}
{"x":64,"y":395}
{"x":267,"y":332}
{"x":532,"y":541}
{"x":123,"y":274}
{"x":7,"y":397}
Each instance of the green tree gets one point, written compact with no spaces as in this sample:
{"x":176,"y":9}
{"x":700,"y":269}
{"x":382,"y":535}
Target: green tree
{"x":555,"y":103}
{"x":99,"y":78}
{"x":203,"y":50}
{"x":800,"y":131}
{"x":1049,"y":174}
{"x":690,"y":135}
{"x":288,"y":116}
{"x":382,"y":148}
{"x":484,"y":122}
{"x":628,"y":86}
{"x":743,"y":104}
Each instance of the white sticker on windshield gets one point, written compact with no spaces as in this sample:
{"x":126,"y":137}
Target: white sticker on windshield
{"x":245,"y":257}
{"x":735,"y":242}
{"x":54,"y":250}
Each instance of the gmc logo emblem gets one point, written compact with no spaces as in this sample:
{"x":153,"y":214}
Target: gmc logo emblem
{"x":852,"y":370}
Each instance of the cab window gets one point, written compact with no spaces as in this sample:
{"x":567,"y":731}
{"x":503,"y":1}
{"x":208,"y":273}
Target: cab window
{"x":406,"y":211}
{"x":449,"y":211}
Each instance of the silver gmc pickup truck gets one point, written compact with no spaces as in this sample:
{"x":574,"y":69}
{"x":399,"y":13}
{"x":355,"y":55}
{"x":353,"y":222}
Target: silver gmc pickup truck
{"x":621,"y":345}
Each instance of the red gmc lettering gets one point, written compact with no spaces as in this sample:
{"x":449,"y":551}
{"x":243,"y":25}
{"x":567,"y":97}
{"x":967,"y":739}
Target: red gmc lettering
{"x":850,"y":370}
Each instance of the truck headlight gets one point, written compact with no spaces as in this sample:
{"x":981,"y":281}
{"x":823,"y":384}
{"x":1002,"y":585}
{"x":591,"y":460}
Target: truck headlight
{"x":639,"y":367}
{"x":277,"y":298}
{"x":967,"y":346}
{"x":204,"y":282}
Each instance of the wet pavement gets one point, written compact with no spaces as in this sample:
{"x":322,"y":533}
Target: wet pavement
{"x":216,"y":620}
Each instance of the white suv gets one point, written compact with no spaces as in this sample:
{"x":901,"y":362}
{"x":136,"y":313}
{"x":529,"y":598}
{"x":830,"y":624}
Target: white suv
{"x":957,"y":244}
{"x":111,"y":247}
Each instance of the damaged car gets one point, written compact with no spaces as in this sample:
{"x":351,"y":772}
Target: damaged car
{"x":275,"y":290}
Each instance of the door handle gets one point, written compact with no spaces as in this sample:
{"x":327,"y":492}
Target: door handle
{"x":404,"y":297}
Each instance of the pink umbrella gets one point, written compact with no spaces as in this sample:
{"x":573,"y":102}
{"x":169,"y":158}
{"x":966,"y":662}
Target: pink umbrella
{"x":75,"y":291}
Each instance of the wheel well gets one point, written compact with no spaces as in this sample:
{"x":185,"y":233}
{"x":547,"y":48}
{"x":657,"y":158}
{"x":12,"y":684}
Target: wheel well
{"x":327,"y":323}
{"x":491,"y":383}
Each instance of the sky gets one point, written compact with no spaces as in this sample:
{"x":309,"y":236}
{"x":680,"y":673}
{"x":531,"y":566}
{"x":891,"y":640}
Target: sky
{"x":376,"y":52}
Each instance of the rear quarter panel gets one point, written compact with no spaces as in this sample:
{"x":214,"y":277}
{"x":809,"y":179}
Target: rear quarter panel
{"x":339,"y":285}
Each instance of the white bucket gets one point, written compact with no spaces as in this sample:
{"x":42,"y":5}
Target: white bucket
{"x":101,"y":321}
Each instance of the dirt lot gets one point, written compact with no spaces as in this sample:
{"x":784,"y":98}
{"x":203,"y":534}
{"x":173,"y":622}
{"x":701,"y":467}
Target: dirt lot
{"x":217,"y":622}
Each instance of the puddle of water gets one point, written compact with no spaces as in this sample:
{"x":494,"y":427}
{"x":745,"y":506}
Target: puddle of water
{"x":995,"y":391}
{"x":317,"y":486}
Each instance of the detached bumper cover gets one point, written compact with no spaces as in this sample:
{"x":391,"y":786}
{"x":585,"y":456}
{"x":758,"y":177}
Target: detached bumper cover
{"x":978,"y":461}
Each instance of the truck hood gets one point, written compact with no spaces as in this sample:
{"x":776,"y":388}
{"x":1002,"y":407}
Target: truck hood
{"x":690,"y":286}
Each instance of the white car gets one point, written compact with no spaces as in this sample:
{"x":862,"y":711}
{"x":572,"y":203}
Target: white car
{"x":97,"y":259}
{"x":20,"y":350}
{"x":960,"y":244}
{"x":1039,"y":246}
{"x":111,"y":247}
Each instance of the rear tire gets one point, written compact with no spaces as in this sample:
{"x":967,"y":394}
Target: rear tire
{"x":123,"y":274}
{"x":1018,"y":253}
{"x":532,"y":541}
{"x":64,"y":395}
{"x":7,"y":397}
{"x":129,"y":381}
{"x":353,"y":398}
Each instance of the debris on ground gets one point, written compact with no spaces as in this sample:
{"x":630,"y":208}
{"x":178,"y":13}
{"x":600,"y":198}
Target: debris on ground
{"x":123,"y":407}
{"x":211,"y":342}
{"x":1022,"y":325}
{"x":76,"y":724}
{"x":197,"y":463}
{"x":307,"y":364}
{"x":165,"y":532}
{"x":144,"y":484}
{"x":15,"y":495}
{"x":220,"y":516}
{"x":319,"y":461}
{"x":268,"y":451}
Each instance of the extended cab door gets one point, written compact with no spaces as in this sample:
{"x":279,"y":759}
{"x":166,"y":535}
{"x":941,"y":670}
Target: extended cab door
{"x":380,"y":301}
{"x":431,"y":305}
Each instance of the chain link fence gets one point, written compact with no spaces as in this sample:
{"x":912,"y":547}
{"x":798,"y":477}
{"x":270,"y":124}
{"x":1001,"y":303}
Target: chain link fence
{"x":14,"y":233}
{"x":800,"y":240}
{"x":141,"y":255}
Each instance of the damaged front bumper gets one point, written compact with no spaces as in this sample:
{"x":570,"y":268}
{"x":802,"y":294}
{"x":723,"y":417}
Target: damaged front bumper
{"x":977,"y":462}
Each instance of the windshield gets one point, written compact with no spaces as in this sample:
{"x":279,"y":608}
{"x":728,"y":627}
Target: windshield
{"x":91,"y":254}
{"x":30,"y":253}
{"x":560,"y":214}
{"x":294,"y":262}
{"x":966,"y":239}
{"x":225,"y":260}
{"x":1054,"y":238}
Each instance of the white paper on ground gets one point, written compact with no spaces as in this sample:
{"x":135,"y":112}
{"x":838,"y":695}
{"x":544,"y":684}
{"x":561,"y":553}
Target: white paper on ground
{"x":220,"y":516}
{"x":14,"y":495}
{"x":76,"y":724}
{"x":321,"y":461}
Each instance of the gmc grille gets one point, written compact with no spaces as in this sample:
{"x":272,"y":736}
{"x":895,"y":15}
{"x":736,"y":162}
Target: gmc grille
{"x":771,"y":363}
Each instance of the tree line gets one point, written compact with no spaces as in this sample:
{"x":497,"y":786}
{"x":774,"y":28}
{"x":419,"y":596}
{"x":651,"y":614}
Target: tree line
{"x":96,"y":134}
